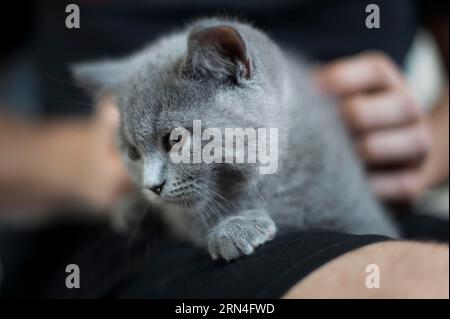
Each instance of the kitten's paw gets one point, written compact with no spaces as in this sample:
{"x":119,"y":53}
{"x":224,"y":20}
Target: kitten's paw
{"x":240,"y":235}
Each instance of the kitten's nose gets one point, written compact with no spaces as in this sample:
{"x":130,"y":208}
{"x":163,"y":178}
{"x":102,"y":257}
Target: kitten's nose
{"x":157,"y":188}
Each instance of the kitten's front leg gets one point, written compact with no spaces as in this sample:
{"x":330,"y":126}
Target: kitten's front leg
{"x":240,"y":234}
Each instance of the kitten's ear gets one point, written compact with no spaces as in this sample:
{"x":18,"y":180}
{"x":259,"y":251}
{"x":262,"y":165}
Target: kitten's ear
{"x":219,"y":53}
{"x":103,"y":76}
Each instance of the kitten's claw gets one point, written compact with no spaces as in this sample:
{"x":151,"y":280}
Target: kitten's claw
{"x":240,"y":235}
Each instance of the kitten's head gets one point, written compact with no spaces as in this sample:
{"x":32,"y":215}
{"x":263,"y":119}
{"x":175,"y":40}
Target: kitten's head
{"x":213,"y":74}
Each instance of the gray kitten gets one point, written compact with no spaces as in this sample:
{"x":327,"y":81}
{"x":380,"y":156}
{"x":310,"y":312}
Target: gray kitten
{"x":228,"y":74}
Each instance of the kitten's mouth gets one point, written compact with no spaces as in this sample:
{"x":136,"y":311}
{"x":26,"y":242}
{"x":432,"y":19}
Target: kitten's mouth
{"x":182,"y":201}
{"x":169,"y":199}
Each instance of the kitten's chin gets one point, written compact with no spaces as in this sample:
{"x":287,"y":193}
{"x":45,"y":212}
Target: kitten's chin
{"x":166,"y":199}
{"x":185,"y":202}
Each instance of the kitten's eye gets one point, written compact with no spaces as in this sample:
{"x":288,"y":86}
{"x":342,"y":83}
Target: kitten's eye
{"x":133,"y":153}
{"x":172,"y":142}
{"x":169,"y":142}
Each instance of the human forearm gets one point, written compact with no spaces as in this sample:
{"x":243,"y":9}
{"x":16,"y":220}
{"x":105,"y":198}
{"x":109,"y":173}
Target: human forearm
{"x":55,"y":161}
{"x":35,"y":163}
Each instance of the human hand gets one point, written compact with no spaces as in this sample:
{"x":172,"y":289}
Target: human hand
{"x":62,"y":161}
{"x":103,"y":178}
{"x":386,"y":120}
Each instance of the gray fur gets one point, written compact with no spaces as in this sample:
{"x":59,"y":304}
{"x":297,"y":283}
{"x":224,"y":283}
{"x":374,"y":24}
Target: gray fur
{"x":231,"y":208}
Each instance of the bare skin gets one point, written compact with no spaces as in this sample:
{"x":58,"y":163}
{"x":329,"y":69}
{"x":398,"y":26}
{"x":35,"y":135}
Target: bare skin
{"x":61,"y":162}
{"x":407,"y":270}
{"x":389,"y":126}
